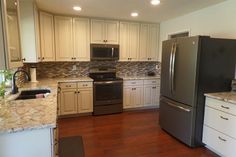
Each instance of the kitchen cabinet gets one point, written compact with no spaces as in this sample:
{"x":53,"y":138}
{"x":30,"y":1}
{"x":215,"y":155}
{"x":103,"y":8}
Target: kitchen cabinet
{"x":149,"y":41}
{"x":76,"y":97}
{"x":64,"y":38}
{"x":47,"y":37}
{"x":81,"y":31}
{"x":133,"y":94}
{"x":68,"y":101}
{"x":11,"y":34}
{"x":151,"y":93}
{"x":30,"y":41}
{"x":129,"y":41}
{"x":85,"y":100}
{"x":104,"y":31}
{"x":141,"y":93}
{"x":40,"y":141}
{"x":219,"y":130}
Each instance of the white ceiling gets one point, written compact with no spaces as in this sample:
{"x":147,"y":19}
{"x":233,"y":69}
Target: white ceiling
{"x":121,"y":9}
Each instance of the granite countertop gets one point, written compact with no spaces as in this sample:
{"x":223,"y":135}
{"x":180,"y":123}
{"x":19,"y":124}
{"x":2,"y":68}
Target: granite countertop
{"x":20,"y":115}
{"x":140,"y":77}
{"x":224,"y":96}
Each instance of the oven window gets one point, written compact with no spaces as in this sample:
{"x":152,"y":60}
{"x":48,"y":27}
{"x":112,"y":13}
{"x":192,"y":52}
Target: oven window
{"x":108,"y":92}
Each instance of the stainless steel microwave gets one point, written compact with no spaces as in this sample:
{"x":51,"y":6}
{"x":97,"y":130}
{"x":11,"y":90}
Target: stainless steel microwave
{"x":104,"y":52}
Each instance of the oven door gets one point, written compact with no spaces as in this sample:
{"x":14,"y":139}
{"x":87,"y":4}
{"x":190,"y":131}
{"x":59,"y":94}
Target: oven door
{"x":108,"y":92}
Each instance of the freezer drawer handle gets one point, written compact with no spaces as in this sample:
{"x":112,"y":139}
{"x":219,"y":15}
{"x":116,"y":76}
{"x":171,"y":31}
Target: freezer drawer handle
{"x":225,"y":107}
{"x":222,"y":139}
{"x":224,"y":118}
{"x":179,"y":107}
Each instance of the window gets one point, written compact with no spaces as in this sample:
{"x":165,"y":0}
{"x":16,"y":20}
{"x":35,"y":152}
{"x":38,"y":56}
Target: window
{"x":179,"y":34}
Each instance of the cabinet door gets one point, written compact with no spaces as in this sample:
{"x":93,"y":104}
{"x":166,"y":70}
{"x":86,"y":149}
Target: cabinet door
{"x":124,"y":41}
{"x":47,"y":37}
{"x":112,"y":32}
{"x":64,"y":38}
{"x":144,"y":43}
{"x":68,"y":102}
{"x":134,"y":41}
{"x":148,"y":94}
{"x":85,"y":100}
{"x":153,"y":41}
{"x":156,"y":95}
{"x":81,"y":39}
{"x":137,"y":96}
{"x":127,"y":100}
{"x":97,"y":31}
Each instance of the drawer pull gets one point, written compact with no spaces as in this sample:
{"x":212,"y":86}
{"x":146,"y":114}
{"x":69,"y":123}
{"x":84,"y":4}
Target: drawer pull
{"x":85,"y":85}
{"x":133,"y":82}
{"x":222,"y":139}
{"x":68,"y":85}
{"x":224,"y":118}
{"x":153,"y":81}
{"x":153,"y":87}
{"x":225,"y":107}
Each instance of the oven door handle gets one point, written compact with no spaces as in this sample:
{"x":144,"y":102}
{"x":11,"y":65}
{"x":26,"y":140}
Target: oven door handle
{"x":107,"y":82}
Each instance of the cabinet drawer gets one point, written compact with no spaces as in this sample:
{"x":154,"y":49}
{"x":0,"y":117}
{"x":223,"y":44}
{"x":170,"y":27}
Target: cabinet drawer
{"x":133,"y":82}
{"x":152,"y":82}
{"x":220,"y":121}
{"x":68,"y":85}
{"x":222,"y":144}
{"x":221,"y":105}
{"x":85,"y":84}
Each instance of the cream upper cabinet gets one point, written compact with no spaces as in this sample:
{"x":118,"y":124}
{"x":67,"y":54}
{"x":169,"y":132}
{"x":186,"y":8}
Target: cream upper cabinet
{"x":81,"y":33}
{"x":85,"y":100}
{"x":104,"y":31}
{"x":64,"y":38}
{"x":129,"y":41}
{"x":30,"y":41}
{"x":68,"y":101}
{"x":149,"y":41}
{"x":47,"y":37}
{"x":11,"y":33}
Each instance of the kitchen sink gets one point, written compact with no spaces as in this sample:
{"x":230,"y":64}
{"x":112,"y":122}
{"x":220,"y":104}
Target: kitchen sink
{"x":32,"y":94}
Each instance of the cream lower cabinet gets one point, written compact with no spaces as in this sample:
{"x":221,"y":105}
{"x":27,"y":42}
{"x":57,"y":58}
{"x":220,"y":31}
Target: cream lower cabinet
{"x":75,"y":98}
{"x":133,"y":96}
{"x":219,"y":131}
{"x":28,"y":143}
{"x":141,"y":93}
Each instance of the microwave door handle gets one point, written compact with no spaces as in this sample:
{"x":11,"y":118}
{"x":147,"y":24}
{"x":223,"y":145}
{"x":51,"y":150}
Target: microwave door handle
{"x":170,"y":68}
{"x":173,"y":67}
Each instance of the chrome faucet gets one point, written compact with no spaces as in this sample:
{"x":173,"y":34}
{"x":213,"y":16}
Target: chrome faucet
{"x":14,"y":87}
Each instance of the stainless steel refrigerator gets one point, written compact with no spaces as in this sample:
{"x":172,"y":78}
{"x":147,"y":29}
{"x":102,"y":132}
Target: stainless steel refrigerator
{"x":192,"y":66}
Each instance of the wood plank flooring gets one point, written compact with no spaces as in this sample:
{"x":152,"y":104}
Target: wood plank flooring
{"x":130,"y":134}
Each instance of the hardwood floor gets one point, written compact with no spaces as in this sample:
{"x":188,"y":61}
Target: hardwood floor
{"x":130,"y":134}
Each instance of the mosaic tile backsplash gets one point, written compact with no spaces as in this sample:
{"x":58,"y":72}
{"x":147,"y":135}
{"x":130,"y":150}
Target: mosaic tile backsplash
{"x":65,"y":69}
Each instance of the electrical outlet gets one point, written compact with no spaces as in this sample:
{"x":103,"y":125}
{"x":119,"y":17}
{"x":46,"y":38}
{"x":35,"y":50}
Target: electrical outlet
{"x":157,"y":67}
{"x":74,"y":67}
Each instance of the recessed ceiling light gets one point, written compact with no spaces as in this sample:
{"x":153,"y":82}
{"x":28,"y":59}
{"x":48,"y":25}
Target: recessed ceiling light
{"x":134,"y":14}
{"x":77,"y":8}
{"x":155,"y":2}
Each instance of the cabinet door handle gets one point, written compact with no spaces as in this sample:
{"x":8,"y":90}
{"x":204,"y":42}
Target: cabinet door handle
{"x":78,"y":92}
{"x":85,"y":85}
{"x":153,"y":87}
{"x":225,"y":107}
{"x":75,"y":92}
{"x":134,"y":88}
{"x":224,"y":118}
{"x":68,"y":85}
{"x":222,"y":139}
{"x":23,"y":59}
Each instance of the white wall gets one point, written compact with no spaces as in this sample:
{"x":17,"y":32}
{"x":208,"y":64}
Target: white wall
{"x":216,"y":21}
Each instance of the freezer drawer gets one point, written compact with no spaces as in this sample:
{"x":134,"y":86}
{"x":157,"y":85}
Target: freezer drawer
{"x":176,"y":119}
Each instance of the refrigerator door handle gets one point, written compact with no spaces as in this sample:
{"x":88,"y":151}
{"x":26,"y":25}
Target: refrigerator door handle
{"x":173,"y":67}
{"x":178,"y":107}
{"x":170,"y":68}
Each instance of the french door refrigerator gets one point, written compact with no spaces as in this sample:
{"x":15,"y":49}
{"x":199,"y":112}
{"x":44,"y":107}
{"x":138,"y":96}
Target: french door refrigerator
{"x":192,"y":66}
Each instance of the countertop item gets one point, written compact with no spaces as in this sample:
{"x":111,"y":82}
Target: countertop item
{"x":20,"y":115}
{"x":140,"y":77}
{"x":224,"y":96}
